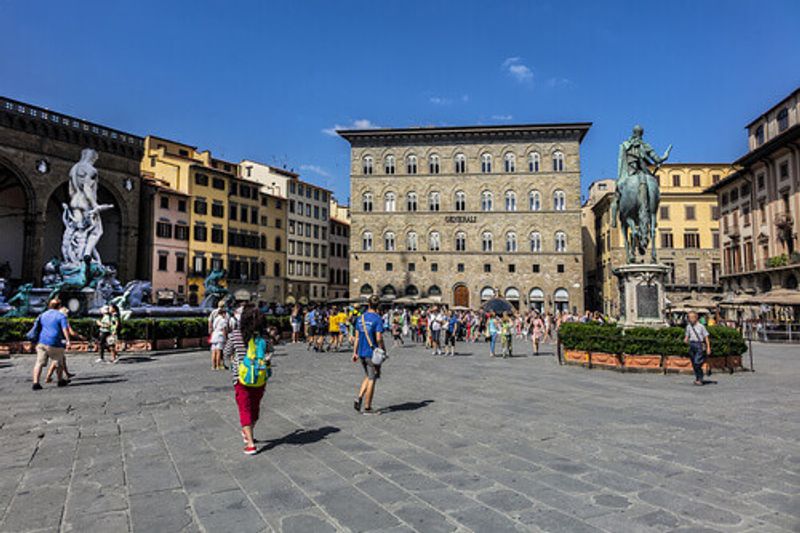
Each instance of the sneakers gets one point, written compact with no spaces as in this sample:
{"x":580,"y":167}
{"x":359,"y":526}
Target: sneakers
{"x":250,"y":450}
{"x":369,"y":411}
{"x":99,"y":360}
{"x":36,"y":386}
{"x":357,"y":404}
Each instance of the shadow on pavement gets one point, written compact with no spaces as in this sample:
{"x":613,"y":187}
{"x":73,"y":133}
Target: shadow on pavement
{"x":133,"y":359}
{"x":97,"y":381}
{"x":407,"y":406}
{"x":299,"y":437}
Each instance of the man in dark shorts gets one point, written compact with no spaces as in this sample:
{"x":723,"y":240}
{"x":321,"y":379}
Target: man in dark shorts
{"x":369,"y":335}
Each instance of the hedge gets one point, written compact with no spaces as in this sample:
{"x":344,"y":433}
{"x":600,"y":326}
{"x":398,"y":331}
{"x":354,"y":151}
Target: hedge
{"x":14,"y":329}
{"x":614,"y":339}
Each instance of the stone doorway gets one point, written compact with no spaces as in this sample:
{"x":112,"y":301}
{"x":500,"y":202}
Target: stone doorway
{"x":461,"y":296}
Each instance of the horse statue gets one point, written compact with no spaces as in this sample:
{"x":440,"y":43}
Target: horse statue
{"x":134,"y":295}
{"x":637,"y":195}
{"x":22,"y":299}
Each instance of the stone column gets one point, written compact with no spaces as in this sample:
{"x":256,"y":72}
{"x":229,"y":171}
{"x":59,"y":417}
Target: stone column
{"x":33,"y":259}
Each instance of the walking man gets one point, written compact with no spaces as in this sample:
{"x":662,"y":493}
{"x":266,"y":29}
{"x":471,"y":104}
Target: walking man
{"x":53,"y":339}
{"x":369,"y":335}
{"x":699,"y":346}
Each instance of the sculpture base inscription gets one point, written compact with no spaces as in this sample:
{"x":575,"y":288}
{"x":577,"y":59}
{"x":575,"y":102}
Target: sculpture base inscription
{"x":642,"y":294}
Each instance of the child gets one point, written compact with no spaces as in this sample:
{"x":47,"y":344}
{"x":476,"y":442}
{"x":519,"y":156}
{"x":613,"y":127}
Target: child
{"x":507,"y":332}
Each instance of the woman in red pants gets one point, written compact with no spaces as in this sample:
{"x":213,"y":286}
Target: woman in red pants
{"x":249,"y":354}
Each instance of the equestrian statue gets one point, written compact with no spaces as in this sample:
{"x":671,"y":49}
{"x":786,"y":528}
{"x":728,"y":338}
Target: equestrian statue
{"x":637,"y":195}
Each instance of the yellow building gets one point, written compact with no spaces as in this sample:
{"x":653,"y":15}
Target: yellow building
{"x":206,"y":181}
{"x":272,"y":282}
{"x":687,"y":240}
{"x":244,"y":238}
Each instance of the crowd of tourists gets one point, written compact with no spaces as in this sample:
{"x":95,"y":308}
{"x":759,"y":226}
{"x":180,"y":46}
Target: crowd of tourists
{"x":242,"y":342}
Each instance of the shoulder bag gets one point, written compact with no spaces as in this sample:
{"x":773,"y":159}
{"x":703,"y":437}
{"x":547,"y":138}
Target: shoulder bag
{"x":378,"y":354}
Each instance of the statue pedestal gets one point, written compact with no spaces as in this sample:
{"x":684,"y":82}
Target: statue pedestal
{"x":642,"y":294}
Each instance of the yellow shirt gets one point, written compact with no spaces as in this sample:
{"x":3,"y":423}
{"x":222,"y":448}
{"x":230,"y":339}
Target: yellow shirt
{"x":335,"y":321}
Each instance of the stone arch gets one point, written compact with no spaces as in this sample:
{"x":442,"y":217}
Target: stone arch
{"x":18,"y":214}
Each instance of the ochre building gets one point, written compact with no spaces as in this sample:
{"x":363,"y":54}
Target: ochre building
{"x":461,"y":214}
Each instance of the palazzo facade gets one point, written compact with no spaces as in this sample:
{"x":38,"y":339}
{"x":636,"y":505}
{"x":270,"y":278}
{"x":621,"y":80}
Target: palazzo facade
{"x":462,"y":214}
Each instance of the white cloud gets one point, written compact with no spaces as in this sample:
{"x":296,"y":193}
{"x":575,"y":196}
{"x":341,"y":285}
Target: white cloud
{"x":559,"y":82}
{"x":358,"y":124}
{"x":316,"y":169}
{"x":518,"y":70}
{"x":502,"y":117}
{"x":440,"y":100}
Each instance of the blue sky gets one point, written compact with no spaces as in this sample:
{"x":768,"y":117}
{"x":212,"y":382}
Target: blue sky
{"x":268,"y":80}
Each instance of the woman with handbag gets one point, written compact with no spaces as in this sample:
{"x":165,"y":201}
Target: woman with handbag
{"x":369,"y":349}
{"x":250,"y":358}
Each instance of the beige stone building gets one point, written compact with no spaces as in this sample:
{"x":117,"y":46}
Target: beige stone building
{"x":687,"y":239}
{"x":459,"y":214}
{"x":760,"y":204}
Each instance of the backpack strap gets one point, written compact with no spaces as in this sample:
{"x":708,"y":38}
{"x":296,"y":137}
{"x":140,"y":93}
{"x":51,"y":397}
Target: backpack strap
{"x":366,"y":333}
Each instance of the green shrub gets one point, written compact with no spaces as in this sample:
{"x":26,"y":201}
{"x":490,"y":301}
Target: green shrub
{"x":645,"y":341}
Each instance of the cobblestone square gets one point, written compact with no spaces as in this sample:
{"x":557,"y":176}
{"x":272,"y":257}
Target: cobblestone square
{"x":466,"y":443}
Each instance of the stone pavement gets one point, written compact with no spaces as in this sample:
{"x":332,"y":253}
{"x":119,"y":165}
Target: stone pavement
{"x":464,"y":444}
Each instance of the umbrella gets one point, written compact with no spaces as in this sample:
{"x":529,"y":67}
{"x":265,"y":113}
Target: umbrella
{"x":498,"y":306}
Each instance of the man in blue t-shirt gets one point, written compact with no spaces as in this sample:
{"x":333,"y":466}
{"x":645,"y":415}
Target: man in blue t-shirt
{"x":52,"y":341}
{"x":369,"y":335}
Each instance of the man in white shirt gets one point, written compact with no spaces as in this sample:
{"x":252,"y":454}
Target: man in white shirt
{"x":437,"y":321}
{"x":699,"y":346}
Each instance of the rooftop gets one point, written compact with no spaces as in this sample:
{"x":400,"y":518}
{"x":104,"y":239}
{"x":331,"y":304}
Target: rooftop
{"x":505,"y":130}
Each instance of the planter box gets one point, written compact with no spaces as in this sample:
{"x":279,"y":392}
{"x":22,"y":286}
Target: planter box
{"x":79,"y":346}
{"x":138,"y":346}
{"x":204,"y":341}
{"x":190,"y":342}
{"x":642,"y":362}
{"x":715,"y":363}
{"x":608,"y":360}
{"x":165,"y":344}
{"x":25,"y":347}
{"x":576,"y":357}
{"x":734,"y":362}
{"x":677,"y":363}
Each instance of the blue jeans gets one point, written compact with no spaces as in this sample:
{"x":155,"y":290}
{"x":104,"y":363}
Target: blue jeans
{"x":492,"y":342}
{"x":698,"y":358}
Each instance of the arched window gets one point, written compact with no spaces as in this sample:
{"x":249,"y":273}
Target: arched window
{"x":388,"y":241}
{"x":534,"y":201}
{"x":559,"y":201}
{"x":536,"y":299}
{"x":512,"y":295}
{"x":511,"y":242}
{"x":558,"y":161}
{"x":461,"y":241}
{"x":366,"y":241}
{"x":411,"y":241}
{"x":561,"y":241}
{"x":389,"y":165}
{"x":366,"y":290}
{"x":367,"y":164}
{"x":487,"y":293}
{"x":461,"y":201}
{"x":510,"y":163}
{"x":486,"y":163}
{"x":460,"y":164}
{"x":412,"y":290}
{"x":511,"y":201}
{"x":411,"y":201}
{"x":434,"y":241}
{"x":366,"y":202}
{"x":536,"y":241}
{"x":434,"y":290}
{"x":411,"y":164}
{"x":434,"y":199}
{"x":433,"y":164}
{"x":388,"y":290}
{"x":486,"y":201}
{"x":561,"y":300}
{"x":533,"y":162}
{"x":390,"y":202}
{"x":486,"y":241}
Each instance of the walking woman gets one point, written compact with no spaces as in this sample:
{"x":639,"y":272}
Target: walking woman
{"x":493,"y":331}
{"x":537,"y":327}
{"x":297,"y":322}
{"x":219,"y":333}
{"x":250,"y":356}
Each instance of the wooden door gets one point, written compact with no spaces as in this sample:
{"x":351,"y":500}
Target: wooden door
{"x":461,"y":296}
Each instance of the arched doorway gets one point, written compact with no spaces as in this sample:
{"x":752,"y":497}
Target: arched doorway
{"x":109,"y":245}
{"x":366,"y":290}
{"x":15,"y":205}
{"x":461,"y":295}
{"x":790,"y":282}
{"x":487,"y":293}
{"x":561,"y":300}
{"x":536,"y":300}
{"x":412,"y":290}
{"x":512,"y":296}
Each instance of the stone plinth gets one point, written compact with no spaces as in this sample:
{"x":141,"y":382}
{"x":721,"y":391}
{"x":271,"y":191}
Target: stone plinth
{"x":642,"y":294}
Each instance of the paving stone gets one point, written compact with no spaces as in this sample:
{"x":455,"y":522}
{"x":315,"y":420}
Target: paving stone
{"x":526,"y":445}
